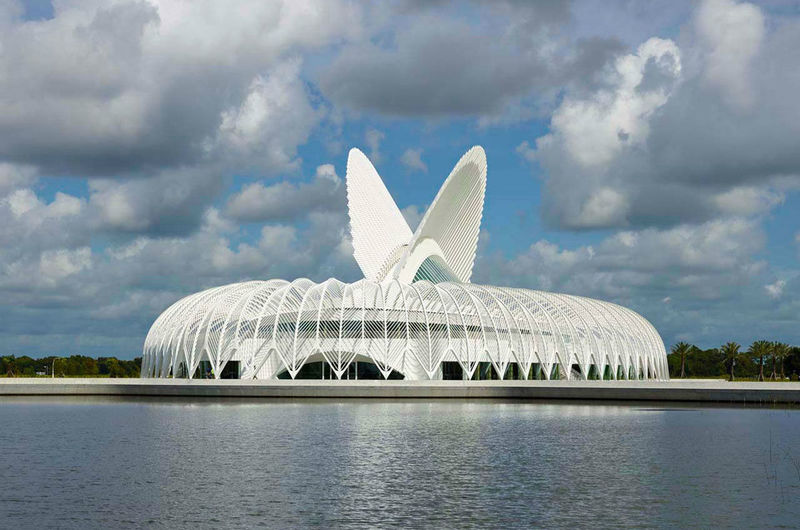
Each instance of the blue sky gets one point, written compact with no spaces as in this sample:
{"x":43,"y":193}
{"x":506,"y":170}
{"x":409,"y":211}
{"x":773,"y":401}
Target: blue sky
{"x":642,"y":153}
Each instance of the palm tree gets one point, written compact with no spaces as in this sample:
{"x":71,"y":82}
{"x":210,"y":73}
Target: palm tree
{"x":758,"y":350}
{"x":730,"y":350}
{"x":683,"y":349}
{"x":781,"y":351}
{"x":773,"y":347}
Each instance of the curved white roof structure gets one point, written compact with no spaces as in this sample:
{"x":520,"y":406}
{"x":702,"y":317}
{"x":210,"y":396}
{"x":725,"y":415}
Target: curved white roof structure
{"x":415,"y":315}
{"x":378,"y":229}
{"x":451,"y":225}
{"x":275,"y":326}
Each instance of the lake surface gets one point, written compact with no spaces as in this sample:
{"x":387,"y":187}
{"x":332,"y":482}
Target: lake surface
{"x":103,"y":463}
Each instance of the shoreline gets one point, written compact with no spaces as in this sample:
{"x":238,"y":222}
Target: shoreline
{"x":711,"y":391}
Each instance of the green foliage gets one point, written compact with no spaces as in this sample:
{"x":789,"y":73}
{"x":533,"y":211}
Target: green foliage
{"x":730,"y":354}
{"x":682,"y":349}
{"x":72,"y":366}
{"x":781,"y":351}
{"x":758,"y":351}
{"x":791,"y":364}
{"x":714,"y":363}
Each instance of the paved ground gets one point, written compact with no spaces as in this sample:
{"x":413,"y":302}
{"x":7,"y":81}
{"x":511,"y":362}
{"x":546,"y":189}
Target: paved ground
{"x":677,"y":390}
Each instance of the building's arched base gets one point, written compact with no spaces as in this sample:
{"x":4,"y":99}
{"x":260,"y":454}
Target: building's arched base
{"x":423,"y":331}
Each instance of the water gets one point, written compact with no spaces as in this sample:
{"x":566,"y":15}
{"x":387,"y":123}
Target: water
{"x":103,"y":463}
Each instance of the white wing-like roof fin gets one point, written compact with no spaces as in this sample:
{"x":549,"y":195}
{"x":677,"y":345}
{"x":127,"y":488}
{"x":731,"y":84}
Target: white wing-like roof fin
{"x":453,"y":219}
{"x":378,"y":229}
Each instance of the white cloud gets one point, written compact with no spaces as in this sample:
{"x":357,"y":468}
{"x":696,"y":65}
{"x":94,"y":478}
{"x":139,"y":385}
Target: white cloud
{"x":526,"y":151}
{"x":594,"y":130}
{"x":413,"y":215}
{"x":685,"y":144}
{"x":373,"y":139}
{"x":22,"y":201}
{"x":732,"y":34}
{"x":605,"y":207}
{"x":272,"y":120}
{"x":748,"y":200}
{"x":106,"y":88}
{"x":157,"y":104}
{"x":674,"y":277}
{"x":65,"y":206}
{"x":412,"y":159}
{"x":13,"y":177}
{"x":495,"y":61}
{"x":659,"y":141}
{"x":173,"y":201}
{"x":687,"y":257}
{"x":129,"y":282}
{"x":285,"y":200}
{"x":775,"y":290}
{"x":327,"y":171}
{"x":57,"y":264}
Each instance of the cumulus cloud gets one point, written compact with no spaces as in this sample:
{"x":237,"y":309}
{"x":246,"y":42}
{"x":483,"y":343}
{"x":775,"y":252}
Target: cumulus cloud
{"x":682,"y":146}
{"x":273,"y":119}
{"x":413,"y":215}
{"x":103,"y":88}
{"x":604,"y":207}
{"x":441,"y":62}
{"x":525,"y":150}
{"x":171,"y":202}
{"x":373,"y":139}
{"x":589,"y":132}
{"x":412,"y":159}
{"x":775,"y":290}
{"x":57,"y":264}
{"x":662,"y":140}
{"x":30,"y":225}
{"x":157,"y":105}
{"x":49,"y":272}
{"x":747,"y":200}
{"x":700,"y":258}
{"x":594,"y":130}
{"x":286,"y":201}
{"x":675,"y":277}
{"x":13,"y":177}
{"x":732,"y":34}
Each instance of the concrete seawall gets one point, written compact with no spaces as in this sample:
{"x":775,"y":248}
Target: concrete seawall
{"x":686,"y":390}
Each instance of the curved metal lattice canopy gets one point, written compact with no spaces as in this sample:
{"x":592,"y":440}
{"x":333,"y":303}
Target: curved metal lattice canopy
{"x":276,"y":326}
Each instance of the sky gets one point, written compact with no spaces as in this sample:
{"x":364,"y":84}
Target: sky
{"x":645,"y":153}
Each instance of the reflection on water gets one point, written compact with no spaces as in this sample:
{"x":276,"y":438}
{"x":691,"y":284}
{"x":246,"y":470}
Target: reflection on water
{"x":103,"y":462}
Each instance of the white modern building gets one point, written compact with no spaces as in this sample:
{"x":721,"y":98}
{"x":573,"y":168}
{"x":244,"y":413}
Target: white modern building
{"x":415,"y":315}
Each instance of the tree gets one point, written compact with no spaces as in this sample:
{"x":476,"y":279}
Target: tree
{"x":730,"y":350}
{"x":758,"y":350}
{"x":682,"y":349}
{"x":781,"y":351}
{"x":773,"y":349}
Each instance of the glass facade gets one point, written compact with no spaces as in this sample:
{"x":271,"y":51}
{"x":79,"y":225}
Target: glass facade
{"x":434,"y":270}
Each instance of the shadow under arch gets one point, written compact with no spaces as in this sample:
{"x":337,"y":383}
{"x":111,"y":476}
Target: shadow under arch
{"x":317,"y":367}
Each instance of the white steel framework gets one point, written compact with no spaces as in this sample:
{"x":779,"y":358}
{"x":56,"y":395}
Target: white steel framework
{"x":414,"y":315}
{"x":275,"y":326}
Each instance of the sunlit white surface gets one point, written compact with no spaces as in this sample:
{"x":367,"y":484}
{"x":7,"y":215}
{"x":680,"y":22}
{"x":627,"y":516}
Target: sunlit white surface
{"x":414,"y":311}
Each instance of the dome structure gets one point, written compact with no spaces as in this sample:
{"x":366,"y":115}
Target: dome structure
{"x":414,"y":315}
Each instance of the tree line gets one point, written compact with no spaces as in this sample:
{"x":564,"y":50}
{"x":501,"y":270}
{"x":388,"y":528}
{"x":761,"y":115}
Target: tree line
{"x":763,"y":361}
{"x":72,"y":366}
